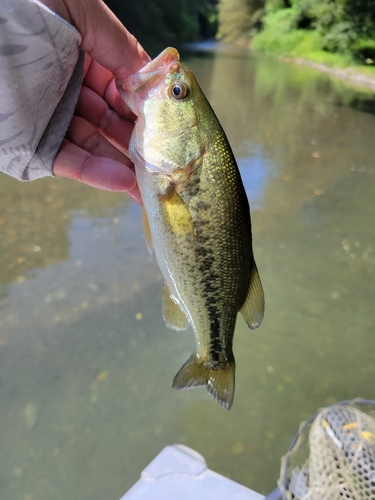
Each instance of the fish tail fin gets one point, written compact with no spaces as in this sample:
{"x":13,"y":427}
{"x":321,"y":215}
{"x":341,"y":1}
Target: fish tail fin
{"x":218,"y":380}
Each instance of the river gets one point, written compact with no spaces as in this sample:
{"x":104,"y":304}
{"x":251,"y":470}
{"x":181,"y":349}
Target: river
{"x":86,"y":362}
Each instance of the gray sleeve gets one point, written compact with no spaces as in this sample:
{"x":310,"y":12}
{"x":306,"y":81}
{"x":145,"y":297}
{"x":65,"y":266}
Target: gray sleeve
{"x":41,"y":70}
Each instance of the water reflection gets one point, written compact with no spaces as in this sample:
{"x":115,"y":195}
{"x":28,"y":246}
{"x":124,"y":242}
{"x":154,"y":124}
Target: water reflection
{"x":255,"y":169}
{"x":35,"y":220}
{"x":86,"y":362}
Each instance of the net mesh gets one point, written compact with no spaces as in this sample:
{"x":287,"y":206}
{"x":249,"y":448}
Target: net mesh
{"x":333,"y":456}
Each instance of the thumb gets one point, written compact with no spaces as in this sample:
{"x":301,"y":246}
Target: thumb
{"x":103,"y":36}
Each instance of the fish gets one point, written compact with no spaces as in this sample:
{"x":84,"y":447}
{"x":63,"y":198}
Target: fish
{"x":196,"y":218}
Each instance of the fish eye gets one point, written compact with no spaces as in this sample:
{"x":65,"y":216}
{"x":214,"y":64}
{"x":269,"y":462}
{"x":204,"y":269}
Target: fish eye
{"x":179,"y":90}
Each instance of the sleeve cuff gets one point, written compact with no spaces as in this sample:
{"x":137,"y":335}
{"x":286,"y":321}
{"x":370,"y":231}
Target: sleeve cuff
{"x":41,"y":71}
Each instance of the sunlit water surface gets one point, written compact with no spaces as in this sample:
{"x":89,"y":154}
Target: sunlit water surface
{"x":86,"y":362}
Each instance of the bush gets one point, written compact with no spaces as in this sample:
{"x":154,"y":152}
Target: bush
{"x":364,"y":50}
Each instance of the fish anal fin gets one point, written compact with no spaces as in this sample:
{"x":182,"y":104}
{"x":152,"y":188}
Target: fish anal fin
{"x":174,"y":316}
{"x":147,"y":231}
{"x":218,"y":380}
{"x":252,"y":309}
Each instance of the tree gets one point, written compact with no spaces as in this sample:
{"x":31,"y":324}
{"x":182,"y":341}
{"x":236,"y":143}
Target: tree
{"x":362,"y":14}
{"x":238,"y":17}
{"x":159,"y":23}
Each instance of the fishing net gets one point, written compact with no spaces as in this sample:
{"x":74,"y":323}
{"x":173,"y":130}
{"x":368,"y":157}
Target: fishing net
{"x":333,"y":455}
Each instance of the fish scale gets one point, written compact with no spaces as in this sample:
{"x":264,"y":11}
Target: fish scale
{"x":197,"y":218}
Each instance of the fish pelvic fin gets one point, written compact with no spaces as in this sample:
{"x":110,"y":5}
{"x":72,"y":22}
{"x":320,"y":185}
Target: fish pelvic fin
{"x":218,"y":380}
{"x":174,"y":316}
{"x":252,"y":309}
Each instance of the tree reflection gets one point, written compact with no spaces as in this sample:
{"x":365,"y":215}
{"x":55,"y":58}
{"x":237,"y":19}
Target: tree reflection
{"x":35,"y":219}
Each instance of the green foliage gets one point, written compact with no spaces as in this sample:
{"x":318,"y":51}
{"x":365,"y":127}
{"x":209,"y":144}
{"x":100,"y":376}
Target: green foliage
{"x":278,"y":37}
{"x":159,"y":23}
{"x":362,"y":15}
{"x":329,"y":19}
{"x":318,"y":29}
{"x":272,"y":43}
{"x":364,"y":50}
{"x":238,"y":17}
{"x":280,"y":21}
{"x":273,"y":5}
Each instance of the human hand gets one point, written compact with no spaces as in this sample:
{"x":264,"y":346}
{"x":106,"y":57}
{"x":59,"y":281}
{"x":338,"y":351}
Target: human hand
{"x":96,"y":145}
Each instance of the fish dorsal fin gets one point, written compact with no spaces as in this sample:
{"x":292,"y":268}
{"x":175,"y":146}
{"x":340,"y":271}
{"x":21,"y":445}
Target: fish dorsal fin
{"x":147,"y":231}
{"x":174,"y":316}
{"x":252,"y":309}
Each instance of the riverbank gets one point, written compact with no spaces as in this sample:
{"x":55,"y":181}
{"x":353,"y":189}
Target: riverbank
{"x":359,"y":76}
{"x":355,"y":75}
{"x":308,"y":47}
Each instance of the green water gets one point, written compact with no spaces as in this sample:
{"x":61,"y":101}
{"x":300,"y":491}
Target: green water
{"x":86,"y":363}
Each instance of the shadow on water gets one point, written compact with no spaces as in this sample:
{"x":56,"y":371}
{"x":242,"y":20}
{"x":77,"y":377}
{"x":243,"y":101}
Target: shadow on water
{"x":363,"y":104}
{"x":86,"y":362}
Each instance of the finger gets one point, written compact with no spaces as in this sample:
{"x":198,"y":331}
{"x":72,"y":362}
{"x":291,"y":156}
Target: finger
{"x":105,"y":38}
{"x":103,"y":99}
{"x":114,"y":99}
{"x":86,"y":136}
{"x":75,"y":163}
{"x":101,"y":81}
{"x":110,"y":124}
{"x":97,"y":77}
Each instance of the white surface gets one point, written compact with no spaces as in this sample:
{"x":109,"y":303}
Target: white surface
{"x":180,"y":473}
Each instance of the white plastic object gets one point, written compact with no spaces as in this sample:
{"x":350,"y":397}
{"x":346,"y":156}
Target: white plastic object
{"x":180,"y":473}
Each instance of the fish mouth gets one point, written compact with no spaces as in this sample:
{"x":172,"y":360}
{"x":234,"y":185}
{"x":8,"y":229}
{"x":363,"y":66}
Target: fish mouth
{"x":155,"y":69}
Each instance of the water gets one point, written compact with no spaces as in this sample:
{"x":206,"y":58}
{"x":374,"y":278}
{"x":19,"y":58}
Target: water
{"x":86,"y":362}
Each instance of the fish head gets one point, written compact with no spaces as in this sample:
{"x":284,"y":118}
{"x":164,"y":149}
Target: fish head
{"x":170,"y":133}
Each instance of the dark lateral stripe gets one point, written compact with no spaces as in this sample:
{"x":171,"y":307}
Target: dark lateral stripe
{"x":205,"y":257}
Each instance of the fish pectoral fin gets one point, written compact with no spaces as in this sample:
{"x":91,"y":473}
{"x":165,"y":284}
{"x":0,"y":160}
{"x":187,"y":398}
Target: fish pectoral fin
{"x":174,"y":316}
{"x":219,"y":380}
{"x":147,"y":231}
{"x":176,"y":213}
{"x":252,"y":309}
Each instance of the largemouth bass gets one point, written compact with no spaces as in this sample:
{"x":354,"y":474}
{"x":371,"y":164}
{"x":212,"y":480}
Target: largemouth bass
{"x":196,"y":218}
